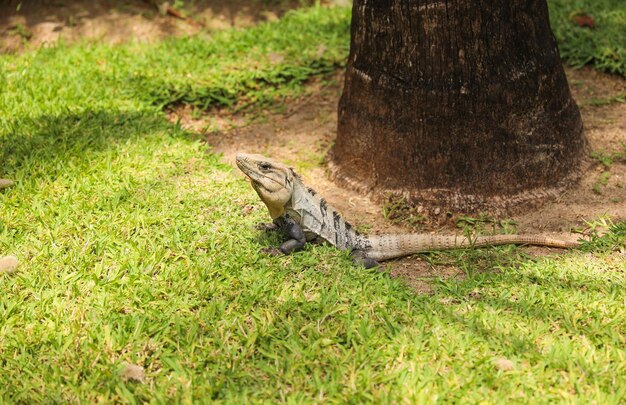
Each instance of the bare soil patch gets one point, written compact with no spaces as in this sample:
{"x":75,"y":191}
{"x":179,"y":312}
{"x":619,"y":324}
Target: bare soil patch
{"x":30,"y":24}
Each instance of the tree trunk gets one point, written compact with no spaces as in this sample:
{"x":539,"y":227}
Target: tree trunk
{"x":456,"y":105}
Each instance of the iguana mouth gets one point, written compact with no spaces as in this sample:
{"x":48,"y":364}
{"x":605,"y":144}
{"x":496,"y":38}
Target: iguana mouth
{"x":254,"y":175}
{"x":242,"y":164}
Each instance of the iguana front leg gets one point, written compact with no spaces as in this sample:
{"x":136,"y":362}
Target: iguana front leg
{"x":296,"y":236}
{"x":294,"y":232}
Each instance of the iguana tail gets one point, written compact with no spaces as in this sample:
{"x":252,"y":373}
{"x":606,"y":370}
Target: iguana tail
{"x":384,"y":247}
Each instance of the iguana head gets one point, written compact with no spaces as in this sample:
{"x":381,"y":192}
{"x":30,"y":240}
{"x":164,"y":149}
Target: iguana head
{"x":273,"y":181}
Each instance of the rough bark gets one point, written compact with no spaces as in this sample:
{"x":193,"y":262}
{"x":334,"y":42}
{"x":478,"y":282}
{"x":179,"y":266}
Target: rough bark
{"x":456,"y":104}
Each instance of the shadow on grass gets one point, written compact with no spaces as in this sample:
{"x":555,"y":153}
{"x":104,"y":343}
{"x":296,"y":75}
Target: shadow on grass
{"x":503,"y":322}
{"x":44,"y":146}
{"x":564,"y":303}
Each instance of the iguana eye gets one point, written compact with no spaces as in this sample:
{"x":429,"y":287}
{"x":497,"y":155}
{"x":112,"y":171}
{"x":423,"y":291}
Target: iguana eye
{"x":265,"y":166}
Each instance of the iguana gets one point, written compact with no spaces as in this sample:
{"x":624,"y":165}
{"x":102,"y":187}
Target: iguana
{"x":304,"y":216}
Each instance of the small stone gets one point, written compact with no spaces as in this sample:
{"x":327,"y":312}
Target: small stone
{"x":276,"y":58}
{"x":503,"y":364}
{"x":132,"y":372}
{"x":4,"y":183}
{"x":8,"y":264}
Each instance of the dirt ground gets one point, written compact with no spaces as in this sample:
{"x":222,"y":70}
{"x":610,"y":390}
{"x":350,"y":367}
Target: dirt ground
{"x":32,"y":23}
{"x":303,"y":133}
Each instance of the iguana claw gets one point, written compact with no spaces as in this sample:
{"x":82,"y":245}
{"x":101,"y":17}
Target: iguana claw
{"x":266,"y":226}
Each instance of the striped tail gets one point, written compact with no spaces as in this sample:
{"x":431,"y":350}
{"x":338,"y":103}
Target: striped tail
{"x":385,"y":247}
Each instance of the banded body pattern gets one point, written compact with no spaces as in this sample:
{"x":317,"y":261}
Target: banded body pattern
{"x":318,"y":219}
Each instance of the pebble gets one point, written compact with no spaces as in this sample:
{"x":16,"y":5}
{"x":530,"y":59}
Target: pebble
{"x":504,"y":364}
{"x":132,"y":372}
{"x":4,"y":183}
{"x":8,"y":264}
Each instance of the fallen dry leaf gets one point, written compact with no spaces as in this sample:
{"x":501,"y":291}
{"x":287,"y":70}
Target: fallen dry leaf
{"x":583,"y":20}
{"x":247,"y":209}
{"x":275,"y":58}
{"x":321,"y":50}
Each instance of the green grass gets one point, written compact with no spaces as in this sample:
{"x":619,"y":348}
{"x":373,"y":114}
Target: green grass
{"x":604,"y":46}
{"x":231,"y":68}
{"x":135,"y":247}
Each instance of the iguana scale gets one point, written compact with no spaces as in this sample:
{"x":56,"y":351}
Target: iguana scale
{"x":304,"y":216}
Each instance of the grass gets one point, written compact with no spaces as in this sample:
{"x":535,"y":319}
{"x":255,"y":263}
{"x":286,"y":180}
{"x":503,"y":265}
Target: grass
{"x":619,"y":98}
{"x":232,"y":68}
{"x":606,"y":160}
{"x":243,"y":67}
{"x":137,"y":246}
{"x":601,"y":46}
